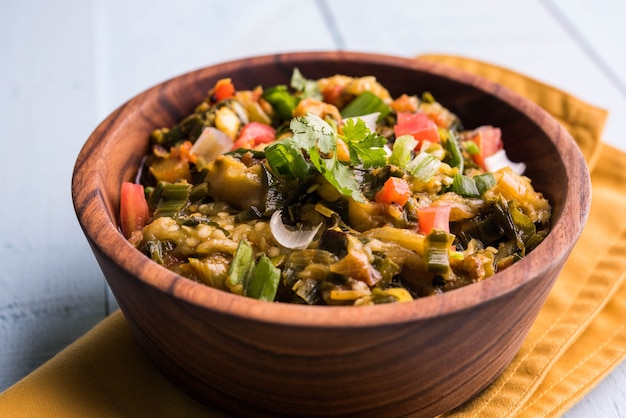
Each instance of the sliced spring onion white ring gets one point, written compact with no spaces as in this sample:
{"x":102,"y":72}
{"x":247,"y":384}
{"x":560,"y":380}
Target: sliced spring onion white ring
{"x":500,"y":160}
{"x":211,"y":143}
{"x":369,"y":119}
{"x":298,"y":240}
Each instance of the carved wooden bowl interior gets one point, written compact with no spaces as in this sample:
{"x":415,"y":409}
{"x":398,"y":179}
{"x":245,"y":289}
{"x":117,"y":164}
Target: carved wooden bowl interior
{"x":249,"y":357}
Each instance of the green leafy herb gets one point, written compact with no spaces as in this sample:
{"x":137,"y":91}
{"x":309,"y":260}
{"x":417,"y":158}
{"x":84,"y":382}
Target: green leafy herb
{"x":311,"y":131}
{"x":337,"y":174}
{"x":365,"y":146}
{"x":317,"y":139}
{"x":306,"y":87}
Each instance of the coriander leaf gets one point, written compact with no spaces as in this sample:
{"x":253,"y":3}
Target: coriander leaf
{"x":355,"y":130}
{"x":365,"y":146}
{"x":338,"y":175}
{"x":370,"y":151}
{"x":308,"y":88}
{"x":311,"y":131}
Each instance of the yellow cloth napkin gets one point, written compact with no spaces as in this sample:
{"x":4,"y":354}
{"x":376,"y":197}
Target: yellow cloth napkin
{"x":577,"y":339}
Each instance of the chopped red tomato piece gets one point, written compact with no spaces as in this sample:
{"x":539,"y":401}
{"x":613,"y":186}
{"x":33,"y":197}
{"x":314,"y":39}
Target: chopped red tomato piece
{"x":253,"y":134}
{"x":395,"y":190}
{"x":488,"y":140}
{"x":419,"y":125}
{"x":224,"y":89}
{"x":434,"y":217}
{"x":134,"y":212}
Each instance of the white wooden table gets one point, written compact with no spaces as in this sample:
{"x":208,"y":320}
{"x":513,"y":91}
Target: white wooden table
{"x":65,"y":65}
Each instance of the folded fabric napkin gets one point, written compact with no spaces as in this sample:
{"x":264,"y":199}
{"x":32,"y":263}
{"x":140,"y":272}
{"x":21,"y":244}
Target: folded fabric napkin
{"x":577,"y":339}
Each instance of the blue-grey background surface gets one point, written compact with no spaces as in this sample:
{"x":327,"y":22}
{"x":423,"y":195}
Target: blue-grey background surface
{"x":66,"y":64}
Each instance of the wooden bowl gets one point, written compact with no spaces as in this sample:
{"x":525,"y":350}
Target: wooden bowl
{"x":250,"y":357}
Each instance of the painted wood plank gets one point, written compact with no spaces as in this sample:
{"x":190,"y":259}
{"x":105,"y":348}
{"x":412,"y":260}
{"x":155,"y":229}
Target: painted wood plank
{"x":599,"y":28}
{"x":524,"y":36}
{"x":50,"y":289}
{"x":142,"y":45}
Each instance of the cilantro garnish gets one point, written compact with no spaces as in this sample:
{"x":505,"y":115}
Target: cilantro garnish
{"x":316,"y":140}
{"x":306,"y":87}
{"x":366,"y":147}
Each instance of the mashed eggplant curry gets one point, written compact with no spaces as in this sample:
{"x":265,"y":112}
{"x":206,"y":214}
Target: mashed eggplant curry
{"x":330,"y":192}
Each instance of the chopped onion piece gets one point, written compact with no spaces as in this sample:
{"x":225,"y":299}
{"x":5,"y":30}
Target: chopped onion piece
{"x":369,"y":119}
{"x":211,"y":143}
{"x":499,"y":160}
{"x":240,"y":112}
{"x":291,"y":239}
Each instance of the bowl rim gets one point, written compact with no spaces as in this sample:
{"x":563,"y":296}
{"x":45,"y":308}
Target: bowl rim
{"x":91,"y":209}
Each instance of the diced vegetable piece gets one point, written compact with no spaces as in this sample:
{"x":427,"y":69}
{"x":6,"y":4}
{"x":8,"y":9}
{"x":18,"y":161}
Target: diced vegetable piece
{"x":154,"y":248}
{"x":437,"y":248}
{"x":500,"y":160}
{"x":404,"y":237}
{"x":402,"y":150}
{"x":134,"y":212}
{"x":455,"y":157}
{"x":281,"y":100}
{"x":227,"y":121}
{"x":253,"y":134}
{"x":423,"y":166}
{"x":240,"y":268}
{"x":488,"y":140}
{"x":211,"y":143}
{"x":298,"y":239}
{"x":211,"y":271}
{"x":484,"y":182}
{"x":308,"y":290}
{"x":170,"y":169}
{"x":364,"y":104}
{"x":173,"y":199}
{"x":287,"y":159}
{"x":464,"y":186}
{"x":401,"y":295}
{"x":515,"y":224}
{"x":356,"y":266}
{"x":224,"y":89}
{"x":349,"y":294}
{"x":264,"y":282}
{"x":395,"y":190}
{"x":418,"y":125}
{"x":436,"y":217}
